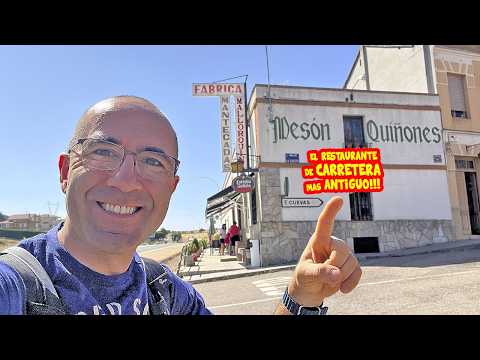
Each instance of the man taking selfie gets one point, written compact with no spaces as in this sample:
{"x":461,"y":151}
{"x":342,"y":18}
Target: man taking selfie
{"x":118,"y":176}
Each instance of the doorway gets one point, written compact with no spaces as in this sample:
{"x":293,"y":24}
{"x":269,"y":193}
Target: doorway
{"x":473,"y":202}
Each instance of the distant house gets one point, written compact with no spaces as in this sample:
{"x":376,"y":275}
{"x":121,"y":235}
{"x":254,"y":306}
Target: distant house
{"x":32,"y":222}
{"x":23,"y":221}
{"x":6,"y":224}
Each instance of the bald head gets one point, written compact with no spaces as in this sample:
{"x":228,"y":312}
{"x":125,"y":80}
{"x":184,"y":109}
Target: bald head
{"x":96,"y":113}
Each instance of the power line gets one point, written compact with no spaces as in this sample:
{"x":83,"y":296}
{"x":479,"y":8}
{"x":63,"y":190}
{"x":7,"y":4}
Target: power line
{"x":236,"y":77}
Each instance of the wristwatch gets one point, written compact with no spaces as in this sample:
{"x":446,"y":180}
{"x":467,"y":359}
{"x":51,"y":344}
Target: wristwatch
{"x":297,"y":309}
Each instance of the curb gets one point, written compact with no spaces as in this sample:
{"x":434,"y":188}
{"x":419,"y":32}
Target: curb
{"x":464,"y":247}
{"x":244,"y":273}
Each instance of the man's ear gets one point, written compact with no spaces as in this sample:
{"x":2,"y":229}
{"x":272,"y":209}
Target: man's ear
{"x":176,"y":180}
{"x":63,"y":166}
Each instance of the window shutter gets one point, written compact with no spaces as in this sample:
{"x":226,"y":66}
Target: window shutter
{"x":456,"y":91}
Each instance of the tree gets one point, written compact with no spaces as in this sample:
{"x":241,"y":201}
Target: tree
{"x":176,"y":236}
{"x":201,"y":230}
{"x":161,"y":234}
{"x":3,"y":217}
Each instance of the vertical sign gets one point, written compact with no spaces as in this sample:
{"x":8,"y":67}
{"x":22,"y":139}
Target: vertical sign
{"x":225,"y":131}
{"x":241,"y":129}
{"x":224,"y":91}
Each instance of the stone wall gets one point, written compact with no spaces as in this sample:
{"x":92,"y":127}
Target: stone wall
{"x":270,"y":209}
{"x":282,"y":242}
{"x":397,"y":234}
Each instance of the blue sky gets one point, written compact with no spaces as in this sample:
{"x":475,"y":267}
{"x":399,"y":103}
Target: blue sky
{"x":45,"y":89}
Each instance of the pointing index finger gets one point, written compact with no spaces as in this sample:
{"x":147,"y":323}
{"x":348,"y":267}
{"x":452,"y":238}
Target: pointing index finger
{"x":321,"y":237}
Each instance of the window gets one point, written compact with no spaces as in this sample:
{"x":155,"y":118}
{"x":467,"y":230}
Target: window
{"x":360,"y":203}
{"x":353,"y":132}
{"x":456,"y":90}
{"x":361,"y":206}
{"x":464,"y":164}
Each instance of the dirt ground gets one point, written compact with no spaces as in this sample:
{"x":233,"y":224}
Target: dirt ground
{"x":5,"y":243}
{"x":193,"y":235}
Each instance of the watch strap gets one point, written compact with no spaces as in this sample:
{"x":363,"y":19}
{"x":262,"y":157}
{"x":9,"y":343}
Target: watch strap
{"x":297,"y":309}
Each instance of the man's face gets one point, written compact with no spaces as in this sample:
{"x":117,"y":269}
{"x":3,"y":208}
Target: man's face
{"x":89,"y":192}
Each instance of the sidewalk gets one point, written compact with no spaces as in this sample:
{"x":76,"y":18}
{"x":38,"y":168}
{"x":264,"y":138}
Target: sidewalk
{"x":213,"y":267}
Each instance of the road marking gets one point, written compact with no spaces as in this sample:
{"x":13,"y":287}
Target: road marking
{"x":417,"y":277}
{"x":278,"y":297}
{"x":268,"y":288}
{"x":272,"y":286}
{"x":272,"y":280}
{"x":244,"y":303}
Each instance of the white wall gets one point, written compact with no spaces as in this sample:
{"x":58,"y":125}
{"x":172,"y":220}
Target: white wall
{"x":413,"y":194}
{"x":408,"y":195}
{"x":393,"y":69}
{"x":420,"y":153}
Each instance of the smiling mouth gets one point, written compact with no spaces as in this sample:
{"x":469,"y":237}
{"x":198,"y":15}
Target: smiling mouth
{"x":118,"y":209}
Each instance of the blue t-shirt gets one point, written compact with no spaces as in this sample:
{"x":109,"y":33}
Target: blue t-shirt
{"x":86,"y":292}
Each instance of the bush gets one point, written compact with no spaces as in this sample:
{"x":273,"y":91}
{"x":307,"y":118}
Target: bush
{"x":18,"y":234}
{"x":196,"y":245}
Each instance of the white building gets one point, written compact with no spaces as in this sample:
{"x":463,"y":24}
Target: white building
{"x":452,"y":72}
{"x":414,"y":208}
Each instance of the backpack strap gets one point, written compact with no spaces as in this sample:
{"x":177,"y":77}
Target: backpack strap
{"x":41,"y":296}
{"x":160,"y":288}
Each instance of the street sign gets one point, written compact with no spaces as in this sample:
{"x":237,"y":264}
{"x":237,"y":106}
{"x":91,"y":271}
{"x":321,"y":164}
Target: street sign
{"x":292,"y":158}
{"x":243,"y":184}
{"x":301,"y":202}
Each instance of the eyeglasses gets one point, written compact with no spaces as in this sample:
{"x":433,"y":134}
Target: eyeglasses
{"x":100,"y":154}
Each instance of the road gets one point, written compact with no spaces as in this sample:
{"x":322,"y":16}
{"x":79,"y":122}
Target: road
{"x":160,"y":251}
{"x":168,"y":254}
{"x":441,"y":283}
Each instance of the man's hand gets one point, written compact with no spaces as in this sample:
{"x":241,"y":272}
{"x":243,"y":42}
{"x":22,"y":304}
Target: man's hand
{"x":326,"y":265}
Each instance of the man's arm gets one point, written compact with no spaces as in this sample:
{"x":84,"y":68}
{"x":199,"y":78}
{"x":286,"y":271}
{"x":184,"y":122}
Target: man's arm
{"x":12,"y":292}
{"x":326,"y":266}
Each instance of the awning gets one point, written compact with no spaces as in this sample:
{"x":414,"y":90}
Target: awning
{"x":220,"y":194}
{"x":220,"y":201}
